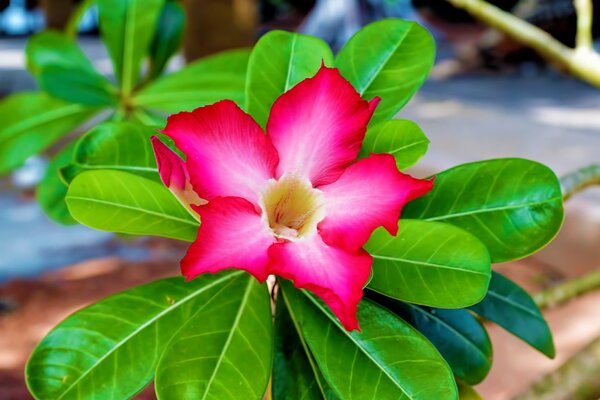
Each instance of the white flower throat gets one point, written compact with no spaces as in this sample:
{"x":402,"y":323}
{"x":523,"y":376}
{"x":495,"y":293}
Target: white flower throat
{"x":291,"y":207}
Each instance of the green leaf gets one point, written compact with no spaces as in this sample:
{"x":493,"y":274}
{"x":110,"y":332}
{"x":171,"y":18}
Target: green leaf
{"x":225,"y":351}
{"x":508,"y":305}
{"x":167,"y":38}
{"x":33,"y":121}
{"x":466,"y":392}
{"x":116,"y":201}
{"x":391,"y":59}
{"x":206,"y":81}
{"x":429,"y":263}
{"x":127,"y":28}
{"x":388,"y":360}
{"x":110,"y":349}
{"x":295,"y":372}
{"x":278,"y":62}
{"x":64,"y":71}
{"x":457,"y":334}
{"x":122,"y":146}
{"x":514,"y":206}
{"x":51,"y":191}
{"x":400,"y":137}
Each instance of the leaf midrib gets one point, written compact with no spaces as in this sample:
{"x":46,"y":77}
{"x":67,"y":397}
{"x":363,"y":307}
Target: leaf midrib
{"x":146,"y":324}
{"x":428,"y":264}
{"x":514,"y":304}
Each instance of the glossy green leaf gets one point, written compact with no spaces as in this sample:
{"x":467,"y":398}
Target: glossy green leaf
{"x":122,"y":146}
{"x":110,"y":349}
{"x":205,"y":81}
{"x":388,"y":360}
{"x":224,"y":351}
{"x":295,"y":372}
{"x":117,"y":201}
{"x":167,"y":38}
{"x":127,"y":28}
{"x":466,"y":392}
{"x":400,"y":137}
{"x":278,"y":62}
{"x":33,"y":121}
{"x":429,"y":263}
{"x":514,"y":206}
{"x":457,"y":334}
{"x":64,"y":71}
{"x":508,"y":305}
{"x":51,"y":191}
{"x":391,"y":59}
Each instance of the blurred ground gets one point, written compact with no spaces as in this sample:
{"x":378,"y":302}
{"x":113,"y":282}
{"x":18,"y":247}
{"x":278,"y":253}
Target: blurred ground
{"x":537,"y":115}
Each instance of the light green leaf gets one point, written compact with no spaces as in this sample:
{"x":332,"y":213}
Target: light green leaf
{"x":51,"y":191}
{"x":278,"y":62}
{"x":167,"y":38}
{"x":388,"y":360}
{"x":429,"y":263}
{"x":508,"y":305}
{"x":295,"y":372}
{"x":117,"y":201}
{"x":122,"y":146}
{"x":205,"y":81}
{"x":33,"y":121}
{"x":466,"y":392}
{"x":514,"y":206}
{"x":400,"y":137}
{"x":225,"y":351}
{"x":127,"y":28}
{"x":457,"y":334}
{"x":110,"y":349}
{"x":390,"y":59}
{"x":64,"y":71}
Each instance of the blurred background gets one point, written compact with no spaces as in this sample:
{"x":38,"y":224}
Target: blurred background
{"x":488,"y":96}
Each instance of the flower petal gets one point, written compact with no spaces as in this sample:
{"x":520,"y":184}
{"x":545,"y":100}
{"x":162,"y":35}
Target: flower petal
{"x":232,"y":235}
{"x":336,"y":276}
{"x":227,"y":152}
{"x":370,"y":193}
{"x":318,"y":126}
{"x":174,"y":174}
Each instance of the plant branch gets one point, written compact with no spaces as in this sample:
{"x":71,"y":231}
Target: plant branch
{"x":579,"y":180}
{"x":583,"y":39}
{"x":582,"y":62}
{"x":564,"y":292}
{"x":576,"y":378}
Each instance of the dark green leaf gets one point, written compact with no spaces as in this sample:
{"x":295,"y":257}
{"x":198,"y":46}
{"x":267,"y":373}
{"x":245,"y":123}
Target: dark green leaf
{"x":206,"y":81}
{"x":122,"y":146}
{"x":295,"y":372}
{"x":400,"y":137}
{"x":127,"y":28}
{"x":390,"y":59}
{"x":64,"y":71}
{"x":224,"y":351}
{"x":278,"y":62}
{"x":457,"y":334}
{"x":117,"y":201}
{"x":429,"y":263}
{"x":110,"y":349}
{"x":388,"y":360}
{"x":167,"y":38}
{"x":508,"y":305}
{"x":33,"y":121}
{"x":513,"y":206}
{"x":51,"y":191}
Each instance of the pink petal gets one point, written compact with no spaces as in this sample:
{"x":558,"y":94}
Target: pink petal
{"x":370,"y":193}
{"x":232,"y":235}
{"x":227,"y":152}
{"x":174,"y":174}
{"x":336,"y":276}
{"x":318,"y":126}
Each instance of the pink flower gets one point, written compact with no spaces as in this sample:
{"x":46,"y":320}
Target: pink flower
{"x":293,"y":202}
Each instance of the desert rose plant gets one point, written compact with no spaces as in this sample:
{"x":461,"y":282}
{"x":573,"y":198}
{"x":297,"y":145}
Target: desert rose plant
{"x":318,"y":269}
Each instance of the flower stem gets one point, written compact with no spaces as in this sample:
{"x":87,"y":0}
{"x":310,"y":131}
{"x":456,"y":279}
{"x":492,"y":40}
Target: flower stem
{"x":579,"y":180}
{"x":564,"y":292}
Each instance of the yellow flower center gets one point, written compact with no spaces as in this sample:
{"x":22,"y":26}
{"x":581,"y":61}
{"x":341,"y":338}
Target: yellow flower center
{"x":291,"y":207}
